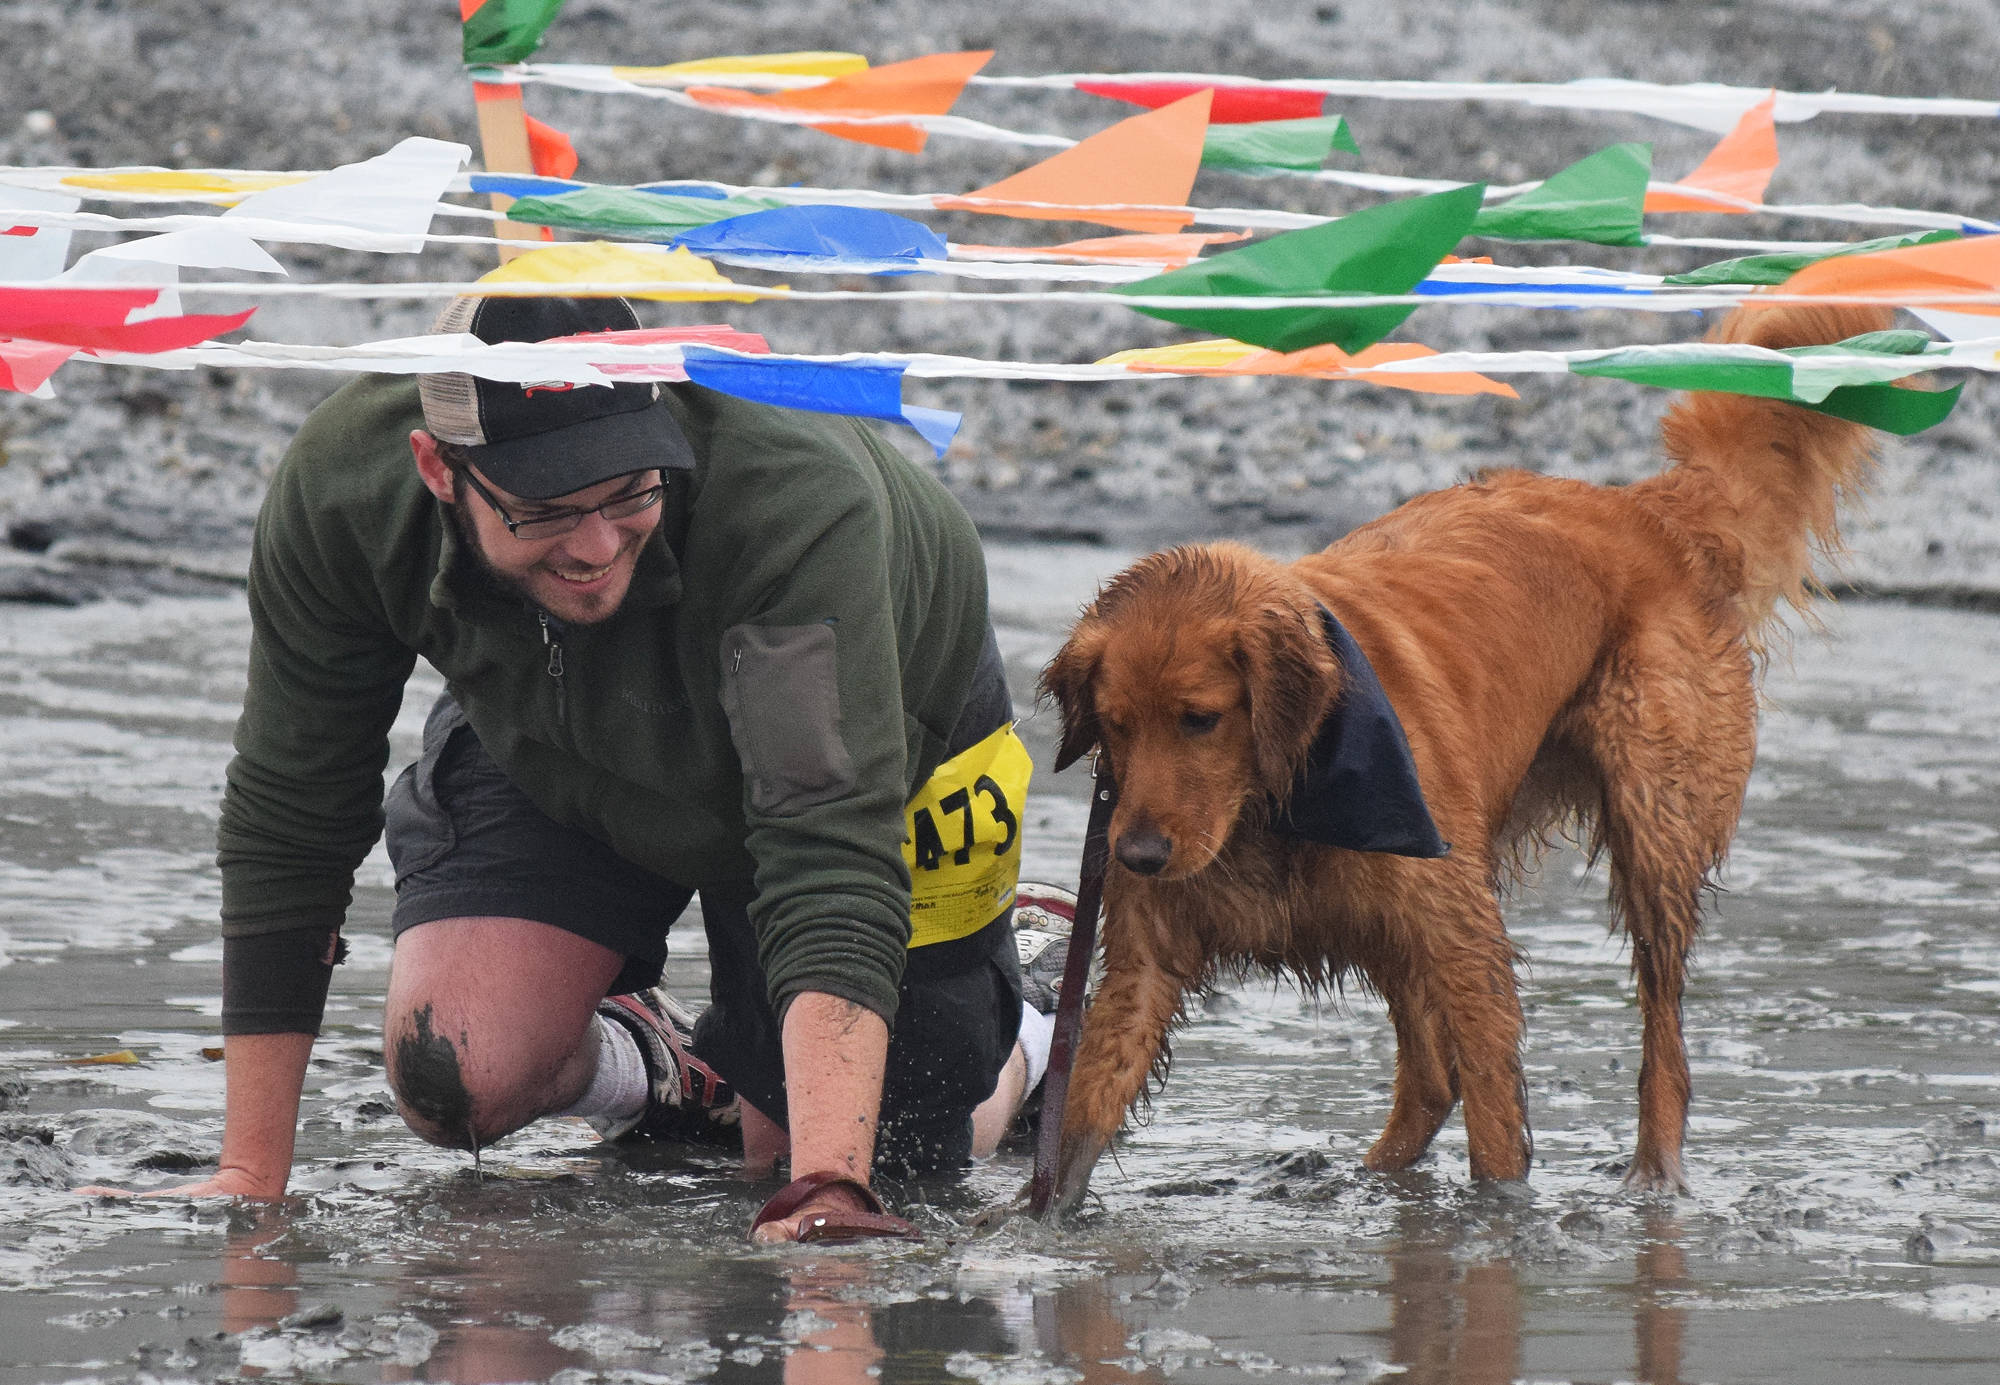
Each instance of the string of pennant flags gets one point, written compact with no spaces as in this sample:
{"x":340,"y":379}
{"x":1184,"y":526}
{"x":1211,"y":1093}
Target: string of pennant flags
{"x":1144,"y":166}
{"x":921,"y":91}
{"x":1315,"y":298}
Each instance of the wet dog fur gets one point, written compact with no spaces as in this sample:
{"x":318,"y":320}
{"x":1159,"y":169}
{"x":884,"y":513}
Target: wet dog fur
{"x":1565,"y":659}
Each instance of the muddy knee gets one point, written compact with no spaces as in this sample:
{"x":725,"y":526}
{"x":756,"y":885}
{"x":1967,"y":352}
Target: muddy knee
{"x":426,"y":1072}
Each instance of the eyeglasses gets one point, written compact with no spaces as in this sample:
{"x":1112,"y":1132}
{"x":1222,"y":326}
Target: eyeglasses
{"x":562,"y":521}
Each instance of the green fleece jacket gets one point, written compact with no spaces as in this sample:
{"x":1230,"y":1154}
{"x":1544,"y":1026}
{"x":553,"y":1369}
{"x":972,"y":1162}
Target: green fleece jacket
{"x":796,"y":646}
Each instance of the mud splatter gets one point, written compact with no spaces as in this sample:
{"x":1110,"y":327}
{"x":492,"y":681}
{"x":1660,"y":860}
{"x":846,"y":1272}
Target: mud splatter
{"x":431,"y":1083}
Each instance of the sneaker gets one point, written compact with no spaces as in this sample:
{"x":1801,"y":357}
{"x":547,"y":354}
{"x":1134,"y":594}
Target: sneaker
{"x":688,"y":1100}
{"x":1043,"y":917}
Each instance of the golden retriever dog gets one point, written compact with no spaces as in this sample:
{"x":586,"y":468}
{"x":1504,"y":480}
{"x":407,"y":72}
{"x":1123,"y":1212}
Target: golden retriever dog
{"x":1562,"y":658}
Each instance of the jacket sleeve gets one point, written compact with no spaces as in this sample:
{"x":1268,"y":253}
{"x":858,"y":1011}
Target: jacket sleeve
{"x":302,"y":805}
{"x":811,"y":685}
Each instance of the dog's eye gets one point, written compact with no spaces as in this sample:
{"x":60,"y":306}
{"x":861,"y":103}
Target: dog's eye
{"x":1199,"y":723}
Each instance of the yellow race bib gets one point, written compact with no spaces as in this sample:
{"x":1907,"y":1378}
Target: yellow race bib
{"x":962,"y":839}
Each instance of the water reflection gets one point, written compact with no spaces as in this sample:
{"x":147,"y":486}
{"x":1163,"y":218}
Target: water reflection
{"x":488,"y":1308}
{"x":1660,"y":1274}
{"x":1457,"y":1317}
{"x":1452,"y":1324}
{"x":835,"y":1333}
{"x":259,"y":1283}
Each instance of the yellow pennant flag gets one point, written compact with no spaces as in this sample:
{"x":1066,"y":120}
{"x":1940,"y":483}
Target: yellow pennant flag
{"x":777,"y":64}
{"x":606,"y":262}
{"x":173,"y":182}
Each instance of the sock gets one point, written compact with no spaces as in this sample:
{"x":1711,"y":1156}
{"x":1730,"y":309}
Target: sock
{"x":1038,"y":1031}
{"x":619,"y":1087}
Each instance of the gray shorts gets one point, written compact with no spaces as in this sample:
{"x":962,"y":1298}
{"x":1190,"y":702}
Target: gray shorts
{"x":466,"y":842}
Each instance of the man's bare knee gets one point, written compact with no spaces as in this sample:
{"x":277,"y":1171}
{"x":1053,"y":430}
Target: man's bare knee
{"x":428,"y":1078}
{"x":446,"y":1097}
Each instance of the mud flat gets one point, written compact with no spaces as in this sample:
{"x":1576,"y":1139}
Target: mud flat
{"x":1845,"y":1150}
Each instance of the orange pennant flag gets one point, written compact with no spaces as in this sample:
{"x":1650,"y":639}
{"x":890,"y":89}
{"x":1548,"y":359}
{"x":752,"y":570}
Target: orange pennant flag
{"x":1168,"y":250}
{"x":1739,"y":167}
{"x":1224,"y":357}
{"x":1174,"y":249}
{"x":550,"y":150}
{"x":1905,"y":276}
{"x":921,"y":86}
{"x":1147,"y":160}
{"x":1331,"y":362}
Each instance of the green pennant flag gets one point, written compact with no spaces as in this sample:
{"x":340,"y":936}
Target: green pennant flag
{"x":506,"y":31}
{"x":1277,"y":144}
{"x":1890,"y":407}
{"x":629,"y":212}
{"x":1600,"y":198}
{"x":1897,"y":341}
{"x":1775,"y":269}
{"x":1872,"y":401}
{"x":1386,"y":249}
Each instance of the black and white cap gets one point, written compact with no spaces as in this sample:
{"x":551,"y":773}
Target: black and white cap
{"x":543,"y":439}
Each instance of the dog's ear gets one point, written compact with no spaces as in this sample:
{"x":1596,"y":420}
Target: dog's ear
{"x":1290,"y":677}
{"x":1068,"y":681}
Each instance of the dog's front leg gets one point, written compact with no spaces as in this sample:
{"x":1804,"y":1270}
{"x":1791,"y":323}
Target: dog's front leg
{"x":1482,"y":1012}
{"x":1123,"y":1035}
{"x":1426,"y":1071}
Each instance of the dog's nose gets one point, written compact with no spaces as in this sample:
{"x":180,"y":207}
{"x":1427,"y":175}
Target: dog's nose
{"x":1145,"y":852}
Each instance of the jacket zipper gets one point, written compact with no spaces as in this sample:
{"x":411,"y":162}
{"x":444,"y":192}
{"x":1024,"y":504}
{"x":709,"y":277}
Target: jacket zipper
{"x":553,"y":642}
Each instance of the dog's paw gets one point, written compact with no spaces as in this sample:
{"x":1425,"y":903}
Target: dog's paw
{"x":1651,"y":1178}
{"x":990,"y":1219}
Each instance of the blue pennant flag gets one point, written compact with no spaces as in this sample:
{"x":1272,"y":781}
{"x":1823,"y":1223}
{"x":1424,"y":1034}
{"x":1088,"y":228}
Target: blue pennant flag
{"x":852,"y":237}
{"x":863,"y":389}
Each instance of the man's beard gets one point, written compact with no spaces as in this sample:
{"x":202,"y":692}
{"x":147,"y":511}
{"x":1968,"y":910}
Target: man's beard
{"x":483,"y":575}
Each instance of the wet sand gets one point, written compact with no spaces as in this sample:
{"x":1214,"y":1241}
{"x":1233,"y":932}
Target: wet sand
{"x":1845,"y":1149}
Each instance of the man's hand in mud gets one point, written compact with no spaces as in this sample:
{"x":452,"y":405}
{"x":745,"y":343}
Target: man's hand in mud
{"x":828,"y":1207}
{"x":224,"y":1182}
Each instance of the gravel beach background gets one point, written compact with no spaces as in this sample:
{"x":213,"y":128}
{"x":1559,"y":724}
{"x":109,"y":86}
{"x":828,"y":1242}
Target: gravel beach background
{"x":138,"y":479}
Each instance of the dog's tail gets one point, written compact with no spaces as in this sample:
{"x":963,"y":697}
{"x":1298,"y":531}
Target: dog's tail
{"x":1756,"y":481}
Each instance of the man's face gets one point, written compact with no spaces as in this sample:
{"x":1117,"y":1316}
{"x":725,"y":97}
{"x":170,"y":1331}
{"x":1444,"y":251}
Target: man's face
{"x":580,"y":577}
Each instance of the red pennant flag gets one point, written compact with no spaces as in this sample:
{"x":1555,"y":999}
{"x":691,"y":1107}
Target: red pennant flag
{"x":549,"y":149}
{"x":707,"y":334}
{"x":24,"y":365}
{"x":1233,"y":105}
{"x":84,"y":307}
{"x":154,"y":334}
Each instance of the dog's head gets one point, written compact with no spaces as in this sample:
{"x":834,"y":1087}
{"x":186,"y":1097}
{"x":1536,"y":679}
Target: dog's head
{"x":1203,"y":674}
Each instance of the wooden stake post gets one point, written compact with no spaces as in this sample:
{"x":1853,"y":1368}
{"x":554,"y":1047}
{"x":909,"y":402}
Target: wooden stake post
{"x":503,"y":146}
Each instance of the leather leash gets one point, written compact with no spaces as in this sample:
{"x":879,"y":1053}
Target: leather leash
{"x":1076,"y":980}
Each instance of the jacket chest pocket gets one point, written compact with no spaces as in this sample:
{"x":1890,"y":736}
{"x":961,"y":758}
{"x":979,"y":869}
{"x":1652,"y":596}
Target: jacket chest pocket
{"x":781,"y":693}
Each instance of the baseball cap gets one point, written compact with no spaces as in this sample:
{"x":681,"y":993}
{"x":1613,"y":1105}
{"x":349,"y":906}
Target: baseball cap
{"x":542,"y":439}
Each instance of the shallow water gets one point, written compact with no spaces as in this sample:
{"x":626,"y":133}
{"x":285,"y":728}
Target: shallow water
{"x":1845,"y":1149}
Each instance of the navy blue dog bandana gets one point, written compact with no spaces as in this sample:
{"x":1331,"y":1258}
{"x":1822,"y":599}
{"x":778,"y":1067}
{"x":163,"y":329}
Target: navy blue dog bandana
{"x":1359,"y":788}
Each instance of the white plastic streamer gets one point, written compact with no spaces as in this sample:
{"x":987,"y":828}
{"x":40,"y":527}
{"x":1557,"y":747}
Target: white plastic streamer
{"x":585,"y":363}
{"x":1635,"y":296}
{"x":1704,"y":105}
{"x":1235,"y":218}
